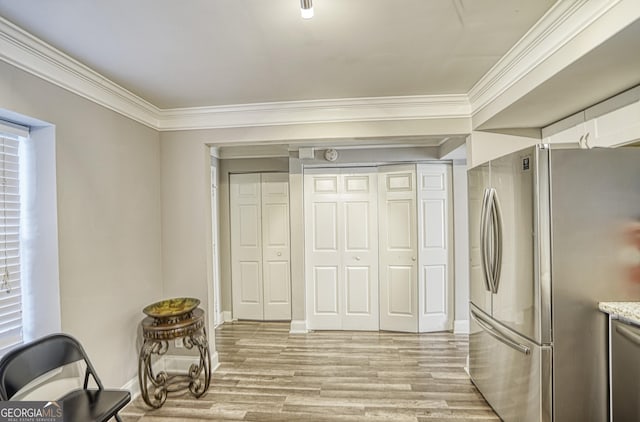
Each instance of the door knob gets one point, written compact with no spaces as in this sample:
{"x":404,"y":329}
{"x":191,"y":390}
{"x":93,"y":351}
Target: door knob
{"x":279,"y":254}
{"x":413,"y":258}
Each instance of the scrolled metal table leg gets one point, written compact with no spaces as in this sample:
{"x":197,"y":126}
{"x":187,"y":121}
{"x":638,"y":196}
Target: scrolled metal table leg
{"x":199,"y":339}
{"x":146,"y":375}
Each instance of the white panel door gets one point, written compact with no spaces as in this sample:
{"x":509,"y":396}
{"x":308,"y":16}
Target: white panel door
{"x":275,"y":246}
{"x":398,"y":248}
{"x":341,"y":249}
{"x":246,"y":246}
{"x":359,"y":250}
{"x":435,"y":283}
{"x":322,"y":252}
{"x":260,"y":253}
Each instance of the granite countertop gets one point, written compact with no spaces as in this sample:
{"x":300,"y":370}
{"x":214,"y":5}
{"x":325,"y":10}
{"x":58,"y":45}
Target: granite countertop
{"x":628,"y":312}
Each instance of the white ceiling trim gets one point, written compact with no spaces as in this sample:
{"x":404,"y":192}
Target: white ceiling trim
{"x":317,"y":111}
{"x":557,"y":27}
{"x":23,"y":50}
{"x":563,"y":22}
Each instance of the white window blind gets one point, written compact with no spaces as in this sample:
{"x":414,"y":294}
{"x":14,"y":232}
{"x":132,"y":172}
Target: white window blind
{"x":10,"y":282}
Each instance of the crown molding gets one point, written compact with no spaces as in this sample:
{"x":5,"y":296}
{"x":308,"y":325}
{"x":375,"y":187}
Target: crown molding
{"x":26,"y":52}
{"x":562,"y":23}
{"x":317,"y":111}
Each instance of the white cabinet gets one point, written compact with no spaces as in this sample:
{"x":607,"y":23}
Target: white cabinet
{"x":573,"y":136}
{"x":612,"y":123}
{"x":619,"y":127}
{"x":572,"y":132}
{"x":260,"y":262}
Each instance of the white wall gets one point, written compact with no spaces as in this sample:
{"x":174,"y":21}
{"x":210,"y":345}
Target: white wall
{"x":134,"y":208}
{"x":296,"y":215}
{"x":39,"y":234}
{"x":461,"y":246}
{"x":108,"y":195}
{"x":186,"y":218}
{"x":187,"y":259}
{"x":216,"y":317}
{"x":484,"y":146}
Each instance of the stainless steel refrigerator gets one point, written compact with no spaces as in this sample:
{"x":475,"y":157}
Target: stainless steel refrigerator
{"x":548,"y":242}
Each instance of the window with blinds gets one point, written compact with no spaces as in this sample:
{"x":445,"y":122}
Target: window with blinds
{"x":10,"y":284}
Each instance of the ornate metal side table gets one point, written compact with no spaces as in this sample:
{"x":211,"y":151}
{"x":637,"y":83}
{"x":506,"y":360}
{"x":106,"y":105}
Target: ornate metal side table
{"x":168,"y":320}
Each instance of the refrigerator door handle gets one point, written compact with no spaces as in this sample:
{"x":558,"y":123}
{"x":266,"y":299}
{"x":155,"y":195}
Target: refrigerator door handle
{"x":628,"y":334}
{"x":496,"y":227}
{"x":484,"y":228}
{"x":499,"y":336}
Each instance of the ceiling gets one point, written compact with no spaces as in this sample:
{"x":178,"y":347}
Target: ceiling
{"x":608,"y":69}
{"x":178,"y":54}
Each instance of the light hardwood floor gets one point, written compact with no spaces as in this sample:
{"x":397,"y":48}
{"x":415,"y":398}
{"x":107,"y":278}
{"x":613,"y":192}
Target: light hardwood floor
{"x":266,"y":374}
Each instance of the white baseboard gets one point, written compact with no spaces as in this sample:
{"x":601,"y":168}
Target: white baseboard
{"x":219,"y":319}
{"x":134,"y":386}
{"x":298,"y":326}
{"x":215,"y":363}
{"x":461,"y":326}
{"x":227,"y":316}
{"x":466,"y":367}
{"x":179,"y":363}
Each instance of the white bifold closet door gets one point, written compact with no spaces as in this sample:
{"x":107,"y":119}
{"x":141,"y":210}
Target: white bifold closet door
{"x":341,"y":248}
{"x":377,"y":248}
{"x":435,"y":287}
{"x":398,"y":248}
{"x":260,"y":253}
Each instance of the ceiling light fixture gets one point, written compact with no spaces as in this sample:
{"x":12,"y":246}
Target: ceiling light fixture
{"x":306,"y":9}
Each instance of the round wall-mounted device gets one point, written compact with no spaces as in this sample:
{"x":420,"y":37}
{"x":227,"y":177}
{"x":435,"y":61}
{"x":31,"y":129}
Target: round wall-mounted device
{"x":331,"y":154}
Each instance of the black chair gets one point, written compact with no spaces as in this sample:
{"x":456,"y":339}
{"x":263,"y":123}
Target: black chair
{"x":27,"y":362}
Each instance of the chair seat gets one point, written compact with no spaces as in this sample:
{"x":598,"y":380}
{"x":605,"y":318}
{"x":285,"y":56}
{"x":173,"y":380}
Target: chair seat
{"x":93,"y":405}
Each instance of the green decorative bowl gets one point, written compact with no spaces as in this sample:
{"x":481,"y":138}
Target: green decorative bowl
{"x":171,"y":307}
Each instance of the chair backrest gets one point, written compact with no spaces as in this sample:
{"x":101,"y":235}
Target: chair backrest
{"x":27,"y":362}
